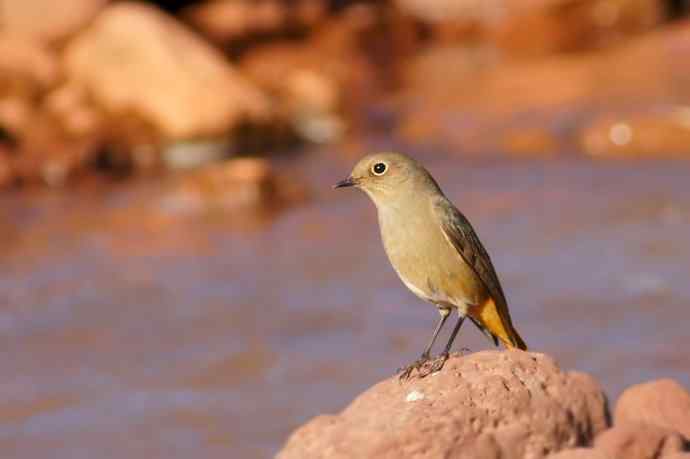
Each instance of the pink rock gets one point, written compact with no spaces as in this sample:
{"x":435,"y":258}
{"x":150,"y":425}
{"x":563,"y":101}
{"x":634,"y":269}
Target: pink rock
{"x":536,"y":26}
{"x":46,"y":20}
{"x":225,"y":21}
{"x":28,"y":62}
{"x":580,"y":453}
{"x":638,"y":441}
{"x":135,"y":59}
{"x":509,"y":404}
{"x":664,"y":403}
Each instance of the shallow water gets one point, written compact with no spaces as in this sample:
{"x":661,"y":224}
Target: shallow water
{"x":129,"y":332}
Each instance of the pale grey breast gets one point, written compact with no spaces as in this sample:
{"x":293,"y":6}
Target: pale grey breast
{"x":424,"y":259}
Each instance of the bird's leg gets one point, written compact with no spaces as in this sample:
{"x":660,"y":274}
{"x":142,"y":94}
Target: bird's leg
{"x":441,"y":359}
{"x":426,"y":355}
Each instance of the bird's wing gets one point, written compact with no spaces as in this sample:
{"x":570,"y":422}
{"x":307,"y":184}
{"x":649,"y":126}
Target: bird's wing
{"x":461,"y":235}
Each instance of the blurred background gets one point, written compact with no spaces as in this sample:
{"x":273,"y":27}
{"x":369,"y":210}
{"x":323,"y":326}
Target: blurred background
{"x":177,"y":276}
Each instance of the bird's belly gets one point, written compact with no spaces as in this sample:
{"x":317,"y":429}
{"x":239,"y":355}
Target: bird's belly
{"x":447,"y":289}
{"x":432,"y":269}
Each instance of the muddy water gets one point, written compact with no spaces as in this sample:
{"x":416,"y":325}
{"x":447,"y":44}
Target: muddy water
{"x":130,"y":332}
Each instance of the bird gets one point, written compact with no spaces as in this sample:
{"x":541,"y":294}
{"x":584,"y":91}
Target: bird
{"x":435,"y":252}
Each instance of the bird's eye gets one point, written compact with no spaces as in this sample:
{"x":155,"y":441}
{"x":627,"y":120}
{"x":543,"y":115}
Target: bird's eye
{"x":379,"y":169}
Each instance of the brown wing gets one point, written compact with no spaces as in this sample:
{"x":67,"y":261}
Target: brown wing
{"x":463,"y":237}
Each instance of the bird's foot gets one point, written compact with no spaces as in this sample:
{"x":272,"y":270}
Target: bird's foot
{"x":437,"y":364}
{"x":406,"y":372}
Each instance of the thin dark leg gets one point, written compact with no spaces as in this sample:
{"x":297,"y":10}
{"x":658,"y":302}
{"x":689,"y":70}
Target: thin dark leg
{"x":426,"y":355}
{"x":439,"y":326}
{"x":458,"y":324}
{"x":441,"y":360}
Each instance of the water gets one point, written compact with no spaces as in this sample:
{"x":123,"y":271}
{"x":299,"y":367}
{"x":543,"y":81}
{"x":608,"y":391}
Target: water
{"x":130,"y":332}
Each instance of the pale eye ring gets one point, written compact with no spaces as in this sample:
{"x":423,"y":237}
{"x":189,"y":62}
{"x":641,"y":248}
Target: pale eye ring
{"x":379,"y":168}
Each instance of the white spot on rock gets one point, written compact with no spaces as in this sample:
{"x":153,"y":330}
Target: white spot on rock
{"x":414,"y":396}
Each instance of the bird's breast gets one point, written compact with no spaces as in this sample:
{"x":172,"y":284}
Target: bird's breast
{"x":424,"y":260}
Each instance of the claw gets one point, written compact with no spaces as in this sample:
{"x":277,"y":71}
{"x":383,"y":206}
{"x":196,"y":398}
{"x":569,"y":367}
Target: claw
{"x":418,"y":364}
{"x":437,"y":364}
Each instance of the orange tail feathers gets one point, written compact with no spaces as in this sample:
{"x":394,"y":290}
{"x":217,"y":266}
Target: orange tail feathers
{"x":491,"y":317}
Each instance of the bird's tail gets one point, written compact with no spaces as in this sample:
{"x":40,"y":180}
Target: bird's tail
{"x":491,"y":317}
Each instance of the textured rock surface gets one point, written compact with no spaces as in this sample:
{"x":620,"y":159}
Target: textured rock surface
{"x":510,"y":404}
{"x":638,"y":441}
{"x":580,"y":453}
{"x":664,"y":403}
{"x":135,"y":59}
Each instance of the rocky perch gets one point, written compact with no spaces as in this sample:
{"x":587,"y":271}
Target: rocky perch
{"x":495,"y":404}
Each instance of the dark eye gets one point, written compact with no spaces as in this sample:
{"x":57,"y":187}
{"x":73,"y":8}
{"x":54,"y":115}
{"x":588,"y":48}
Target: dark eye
{"x":379,"y":168}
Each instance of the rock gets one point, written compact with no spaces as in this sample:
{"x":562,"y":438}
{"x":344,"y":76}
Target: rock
{"x":26,"y":67}
{"x":550,"y":26}
{"x":224,"y":21}
{"x":539,"y":26}
{"x":191,"y":155}
{"x":134,"y":59}
{"x":580,"y":453}
{"x":49,"y":155}
{"x":317,"y":82}
{"x":557,"y":93}
{"x":235,"y":185}
{"x":46,"y":21}
{"x":663,"y":402}
{"x":489,"y":404}
{"x":639,"y":135}
{"x":71,"y":108}
{"x":638,"y":441}
{"x":15,"y":115}
{"x":6,"y":169}
{"x":530,"y":143}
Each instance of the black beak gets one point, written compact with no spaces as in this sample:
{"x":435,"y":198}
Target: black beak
{"x":345,"y":183}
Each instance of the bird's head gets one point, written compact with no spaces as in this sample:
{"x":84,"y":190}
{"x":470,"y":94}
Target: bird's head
{"x":387,"y":176}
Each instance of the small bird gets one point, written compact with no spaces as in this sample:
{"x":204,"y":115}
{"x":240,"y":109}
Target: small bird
{"x":434,"y":250}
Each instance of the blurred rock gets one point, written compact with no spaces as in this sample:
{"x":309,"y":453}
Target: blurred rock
{"x":134,"y":59}
{"x":530,"y":143}
{"x":71,"y":108}
{"x":46,"y":21}
{"x":192,"y":154}
{"x":663,"y":402}
{"x":650,"y":135}
{"x":235,"y":185}
{"x":49,"y":155}
{"x":314,"y":83}
{"x":566,"y":25}
{"x":26,"y":67}
{"x":475,"y":89}
{"x":488,"y":404}
{"x":15,"y":115}
{"x":580,"y":453}
{"x":6,"y":169}
{"x":224,"y":21}
{"x":539,"y":26}
{"x":638,"y":441}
